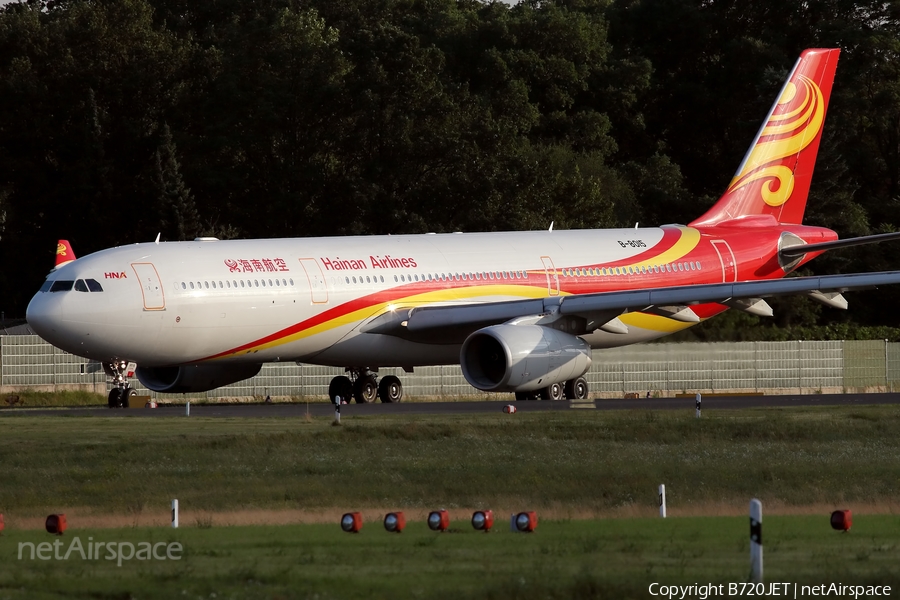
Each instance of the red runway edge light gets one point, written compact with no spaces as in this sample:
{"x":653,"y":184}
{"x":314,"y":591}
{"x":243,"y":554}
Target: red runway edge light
{"x":394,"y":522}
{"x":438,"y":520}
{"x":526,"y":522}
{"x":509,"y":409}
{"x":841,"y":520}
{"x":351,"y":522}
{"x":56,"y":524}
{"x":483,"y":520}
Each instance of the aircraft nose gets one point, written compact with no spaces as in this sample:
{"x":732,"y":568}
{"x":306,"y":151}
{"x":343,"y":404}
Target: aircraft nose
{"x":45,"y":315}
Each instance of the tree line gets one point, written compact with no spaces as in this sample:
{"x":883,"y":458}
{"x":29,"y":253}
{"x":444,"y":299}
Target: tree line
{"x":121,"y":119}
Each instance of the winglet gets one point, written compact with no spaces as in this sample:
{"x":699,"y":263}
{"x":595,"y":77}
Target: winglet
{"x":64,"y":253}
{"x":774,"y":176}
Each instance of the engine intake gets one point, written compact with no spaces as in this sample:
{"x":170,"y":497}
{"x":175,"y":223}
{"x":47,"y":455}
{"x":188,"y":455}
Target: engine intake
{"x":193,"y":378}
{"x":522,"y":358}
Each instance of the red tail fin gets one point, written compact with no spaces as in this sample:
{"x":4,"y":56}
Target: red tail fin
{"x":64,"y":254}
{"x":774,"y":177}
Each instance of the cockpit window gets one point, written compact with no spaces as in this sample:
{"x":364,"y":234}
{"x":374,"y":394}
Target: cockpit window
{"x":80,"y":286}
{"x":45,"y":287}
{"x":62,"y":285}
{"x":93,"y":285}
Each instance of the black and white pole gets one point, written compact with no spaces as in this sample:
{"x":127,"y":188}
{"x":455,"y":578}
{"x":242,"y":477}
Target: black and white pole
{"x":756,"y":548}
{"x":662,"y":500}
{"x":698,"y":405}
{"x":337,"y":409}
{"x":175,"y":514}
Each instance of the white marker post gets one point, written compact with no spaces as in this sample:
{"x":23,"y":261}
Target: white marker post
{"x":698,"y":405}
{"x":756,"y":548}
{"x":175,"y":514}
{"x":337,"y":410}
{"x":662,"y":500}
{"x":187,"y":409}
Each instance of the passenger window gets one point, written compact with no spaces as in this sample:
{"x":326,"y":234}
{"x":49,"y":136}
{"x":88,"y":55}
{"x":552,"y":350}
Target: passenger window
{"x":207,"y":284}
{"x":242,"y":283}
{"x":382,"y":278}
{"x":184,"y":287}
{"x":80,"y":286}
{"x":270,"y":283}
{"x":256,"y":283}
{"x":192,"y":285}
{"x":292,"y":281}
{"x":94,"y":285}
{"x":368,"y":280}
{"x":354,"y":279}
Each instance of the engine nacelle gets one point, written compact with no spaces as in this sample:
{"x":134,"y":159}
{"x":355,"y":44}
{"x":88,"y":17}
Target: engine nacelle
{"x":193,"y":378}
{"x":522,"y":358}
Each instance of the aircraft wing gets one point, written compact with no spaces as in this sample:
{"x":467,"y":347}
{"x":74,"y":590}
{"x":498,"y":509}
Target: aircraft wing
{"x":588,"y":312}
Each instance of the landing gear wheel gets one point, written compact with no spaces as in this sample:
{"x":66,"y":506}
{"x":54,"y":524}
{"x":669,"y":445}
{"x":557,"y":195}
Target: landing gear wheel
{"x":127,"y":394}
{"x":114,"y":400}
{"x":365,"y":389}
{"x":554,"y":391}
{"x":390,"y":389}
{"x":340,"y":386}
{"x":577,"y":389}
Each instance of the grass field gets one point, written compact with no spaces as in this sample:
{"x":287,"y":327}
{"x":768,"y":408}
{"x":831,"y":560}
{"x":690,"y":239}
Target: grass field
{"x":570,"y":466}
{"x":617,"y":558}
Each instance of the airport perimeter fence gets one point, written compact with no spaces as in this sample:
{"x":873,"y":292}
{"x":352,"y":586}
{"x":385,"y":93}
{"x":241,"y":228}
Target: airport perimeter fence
{"x":663,"y":370}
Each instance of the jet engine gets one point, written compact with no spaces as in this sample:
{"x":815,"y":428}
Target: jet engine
{"x":522,"y":358}
{"x":193,"y":378}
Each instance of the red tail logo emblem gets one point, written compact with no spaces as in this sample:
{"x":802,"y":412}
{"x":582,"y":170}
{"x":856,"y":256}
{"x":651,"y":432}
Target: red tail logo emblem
{"x":64,"y":254}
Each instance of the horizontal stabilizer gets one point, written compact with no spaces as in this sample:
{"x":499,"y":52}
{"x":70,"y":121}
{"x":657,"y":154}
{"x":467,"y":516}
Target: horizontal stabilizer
{"x":847,"y":243}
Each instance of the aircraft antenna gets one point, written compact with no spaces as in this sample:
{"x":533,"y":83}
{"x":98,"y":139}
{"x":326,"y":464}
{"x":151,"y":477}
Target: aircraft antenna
{"x":157,"y":238}
{"x":551,"y":226}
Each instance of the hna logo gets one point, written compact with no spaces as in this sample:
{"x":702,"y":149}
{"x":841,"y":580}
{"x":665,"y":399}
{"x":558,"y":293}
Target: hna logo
{"x":113,"y":275}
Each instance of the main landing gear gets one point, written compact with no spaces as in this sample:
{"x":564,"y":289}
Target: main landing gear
{"x":362,"y":384}
{"x":574,"y":389}
{"x":121,"y":393}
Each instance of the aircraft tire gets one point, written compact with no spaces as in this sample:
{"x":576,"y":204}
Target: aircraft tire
{"x":390,"y":389}
{"x":340,"y":386}
{"x":365,"y":389}
{"x":113,"y":400}
{"x":127,"y":395}
{"x":554,"y":391}
{"x":577,"y":389}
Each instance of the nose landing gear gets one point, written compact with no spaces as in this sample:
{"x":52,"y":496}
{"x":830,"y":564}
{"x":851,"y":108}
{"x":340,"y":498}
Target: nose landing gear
{"x":121,"y":393}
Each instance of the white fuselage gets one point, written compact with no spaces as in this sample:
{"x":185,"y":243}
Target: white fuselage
{"x":305,"y":299}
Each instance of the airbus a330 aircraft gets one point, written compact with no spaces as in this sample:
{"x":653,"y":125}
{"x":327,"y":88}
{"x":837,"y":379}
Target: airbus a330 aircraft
{"x":519,"y":311}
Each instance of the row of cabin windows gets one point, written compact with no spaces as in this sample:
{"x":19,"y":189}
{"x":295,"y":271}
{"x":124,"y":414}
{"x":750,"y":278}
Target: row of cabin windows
{"x":65,"y":285}
{"x":484,"y":276}
{"x":236,"y":284}
{"x":642,"y":270}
